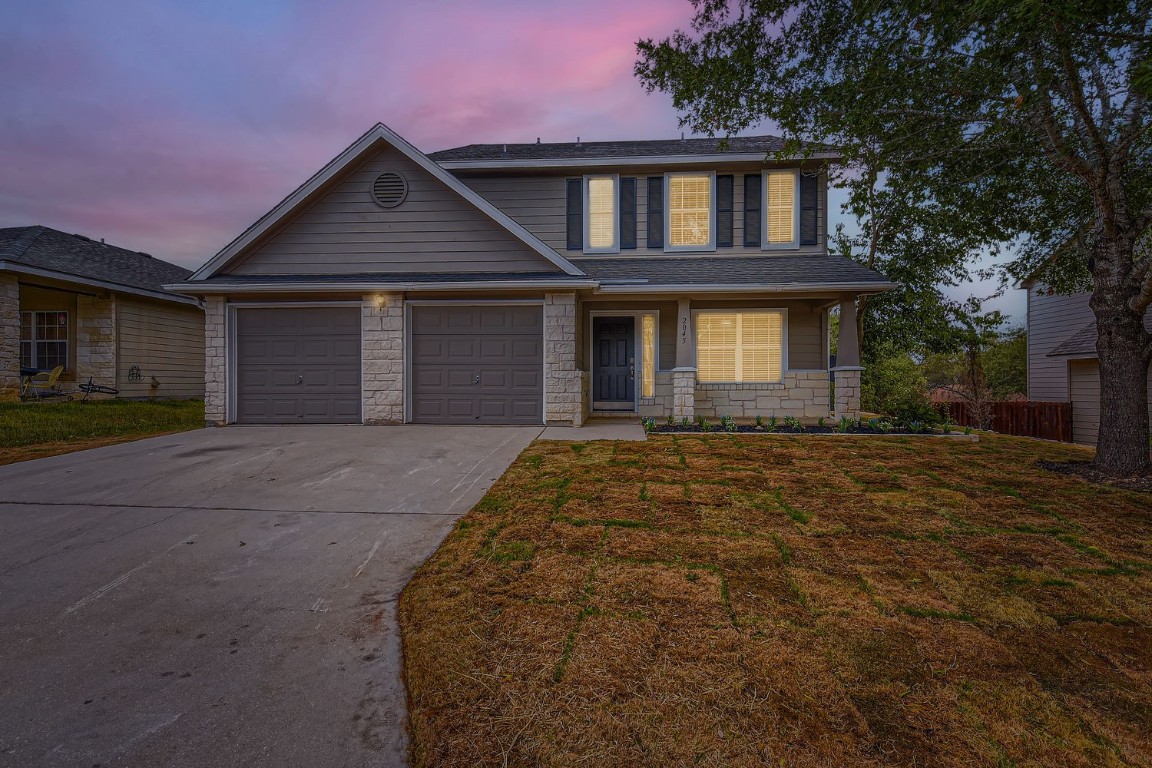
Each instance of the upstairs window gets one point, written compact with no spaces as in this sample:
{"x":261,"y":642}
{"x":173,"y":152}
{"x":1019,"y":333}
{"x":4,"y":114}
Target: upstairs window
{"x":690,"y":212}
{"x":734,"y":347}
{"x":601,"y":214}
{"x":781,"y":213}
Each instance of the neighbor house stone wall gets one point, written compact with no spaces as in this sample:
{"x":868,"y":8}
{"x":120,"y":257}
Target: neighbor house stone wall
{"x":215,"y":367}
{"x":9,"y":337}
{"x":848,"y":391}
{"x":382,"y":331}
{"x":802,"y":394}
{"x":96,"y":340}
{"x":563,"y":400}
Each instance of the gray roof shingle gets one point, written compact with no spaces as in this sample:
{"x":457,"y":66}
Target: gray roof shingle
{"x":1083,"y":342}
{"x":597,"y":149}
{"x":82,"y":257}
{"x":389,"y":277}
{"x":719,"y":270}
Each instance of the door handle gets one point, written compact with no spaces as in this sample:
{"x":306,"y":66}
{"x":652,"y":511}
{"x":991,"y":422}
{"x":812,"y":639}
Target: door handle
{"x":299,"y":379}
{"x":476,"y":379}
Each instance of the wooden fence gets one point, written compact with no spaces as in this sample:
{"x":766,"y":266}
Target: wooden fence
{"x":1051,"y":421}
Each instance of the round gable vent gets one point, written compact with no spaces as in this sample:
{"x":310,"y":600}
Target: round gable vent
{"x":389,"y":190}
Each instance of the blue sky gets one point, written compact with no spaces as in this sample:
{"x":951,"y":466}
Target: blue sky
{"x":169,"y":127}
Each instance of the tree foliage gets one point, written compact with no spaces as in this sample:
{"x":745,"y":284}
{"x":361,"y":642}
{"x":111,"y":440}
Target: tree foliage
{"x":962,"y":126}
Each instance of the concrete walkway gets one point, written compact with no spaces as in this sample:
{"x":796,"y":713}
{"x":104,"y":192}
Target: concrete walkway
{"x":597,"y":429}
{"x":223,"y":597}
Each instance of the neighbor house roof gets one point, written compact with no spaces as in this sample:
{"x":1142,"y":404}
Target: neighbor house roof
{"x":1083,"y":342}
{"x":815,"y":272}
{"x":579,"y":153}
{"x":52,"y":253}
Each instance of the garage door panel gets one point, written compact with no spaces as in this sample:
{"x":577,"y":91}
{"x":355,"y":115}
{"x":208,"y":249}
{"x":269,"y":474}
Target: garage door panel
{"x":477,"y":365}
{"x":298,"y":365}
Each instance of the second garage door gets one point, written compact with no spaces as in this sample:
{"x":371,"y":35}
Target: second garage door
{"x":298,"y":365}
{"x":477,"y":364}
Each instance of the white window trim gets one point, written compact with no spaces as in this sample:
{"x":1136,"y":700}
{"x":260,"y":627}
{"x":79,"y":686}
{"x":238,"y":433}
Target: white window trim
{"x":795,"y":244}
{"x":637,"y":315}
{"x":615,"y":248}
{"x":34,"y":340}
{"x":711,"y":246}
{"x":782,"y":311}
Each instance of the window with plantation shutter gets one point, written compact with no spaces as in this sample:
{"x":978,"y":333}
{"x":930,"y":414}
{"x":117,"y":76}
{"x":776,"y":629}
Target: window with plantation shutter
{"x":780,"y":226}
{"x":689,"y":212}
{"x":739,"y":346}
{"x":601,"y":225}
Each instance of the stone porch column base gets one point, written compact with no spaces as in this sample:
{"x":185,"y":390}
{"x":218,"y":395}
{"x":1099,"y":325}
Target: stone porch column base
{"x":847,"y":390}
{"x":9,"y":337}
{"x":683,"y":393}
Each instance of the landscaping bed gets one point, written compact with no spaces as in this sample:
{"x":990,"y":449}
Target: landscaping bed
{"x":728,"y":601}
{"x":793,"y":426}
{"x":35,"y":430}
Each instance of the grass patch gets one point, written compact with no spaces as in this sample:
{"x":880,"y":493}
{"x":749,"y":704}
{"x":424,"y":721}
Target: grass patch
{"x":672,"y":615}
{"x":35,"y":430}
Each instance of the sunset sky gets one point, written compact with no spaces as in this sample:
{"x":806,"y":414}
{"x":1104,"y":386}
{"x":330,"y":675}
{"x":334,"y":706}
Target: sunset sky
{"x":169,"y":127}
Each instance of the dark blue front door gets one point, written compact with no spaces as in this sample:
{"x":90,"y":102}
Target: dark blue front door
{"x":614,"y":364}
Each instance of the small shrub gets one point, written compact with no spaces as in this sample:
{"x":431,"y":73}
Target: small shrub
{"x":648,"y":423}
{"x":702,"y":423}
{"x":685,"y":422}
{"x":820,"y":422}
{"x":671,"y":420}
{"x":793,"y":423}
{"x":759,"y":421}
{"x":727,"y":423}
{"x":844,"y":425}
{"x":772,"y":423}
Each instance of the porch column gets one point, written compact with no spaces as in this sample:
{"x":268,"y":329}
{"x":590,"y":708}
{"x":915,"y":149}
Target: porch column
{"x":847,"y":370}
{"x":563,"y":402}
{"x":684,"y":374}
{"x":9,"y":337}
{"x":382,"y":348}
{"x":96,"y":339}
{"x":215,"y":368}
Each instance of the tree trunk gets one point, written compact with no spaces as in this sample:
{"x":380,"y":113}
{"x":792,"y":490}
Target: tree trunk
{"x":1124,"y":350}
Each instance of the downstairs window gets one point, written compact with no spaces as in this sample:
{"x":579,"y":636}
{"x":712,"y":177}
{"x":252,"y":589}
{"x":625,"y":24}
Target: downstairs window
{"x":740,"y":346}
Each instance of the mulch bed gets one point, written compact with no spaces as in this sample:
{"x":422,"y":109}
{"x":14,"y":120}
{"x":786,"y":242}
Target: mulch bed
{"x":1086,"y":470}
{"x":782,"y":430}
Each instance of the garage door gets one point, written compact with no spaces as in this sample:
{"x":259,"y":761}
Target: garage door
{"x":298,"y":365}
{"x":477,"y":365}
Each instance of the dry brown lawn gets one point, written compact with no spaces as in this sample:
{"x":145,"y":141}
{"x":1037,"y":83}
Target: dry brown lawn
{"x":781,"y":601}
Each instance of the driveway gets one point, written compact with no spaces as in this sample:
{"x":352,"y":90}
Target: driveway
{"x":224,"y":597}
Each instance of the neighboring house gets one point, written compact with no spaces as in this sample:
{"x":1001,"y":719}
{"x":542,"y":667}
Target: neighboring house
{"x":1062,"y":362}
{"x":99,"y":311}
{"x":535,"y":283}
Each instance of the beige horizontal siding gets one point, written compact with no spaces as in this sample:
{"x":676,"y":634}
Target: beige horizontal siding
{"x":167,"y":342}
{"x":433,"y":230}
{"x":1051,"y":320}
{"x":1084,"y":392}
{"x":539,"y":203}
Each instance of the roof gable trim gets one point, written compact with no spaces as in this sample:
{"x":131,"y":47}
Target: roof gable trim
{"x":338,"y":164}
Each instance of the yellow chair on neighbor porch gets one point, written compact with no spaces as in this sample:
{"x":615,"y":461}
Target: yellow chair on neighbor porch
{"x":43,"y":386}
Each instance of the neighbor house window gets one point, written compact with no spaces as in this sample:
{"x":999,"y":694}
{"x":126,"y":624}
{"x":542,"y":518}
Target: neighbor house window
{"x":43,"y":340}
{"x":648,"y":359}
{"x":781,"y":214}
{"x":690,"y":212}
{"x":601,"y":218}
{"x":740,"y":346}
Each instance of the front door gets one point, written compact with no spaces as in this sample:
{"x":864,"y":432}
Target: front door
{"x":614,"y":363}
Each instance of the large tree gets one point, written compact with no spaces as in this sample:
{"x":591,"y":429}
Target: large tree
{"x":1010,"y":122}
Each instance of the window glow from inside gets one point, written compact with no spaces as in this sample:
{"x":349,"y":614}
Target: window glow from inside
{"x":648,"y":373}
{"x":739,"y":346}
{"x":781,"y":208}
{"x":689,"y":211}
{"x":602,"y":213}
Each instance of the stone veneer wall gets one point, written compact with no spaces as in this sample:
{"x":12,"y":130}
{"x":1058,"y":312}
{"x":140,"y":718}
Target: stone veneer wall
{"x":563,"y":400}
{"x":383,"y":359}
{"x":660,"y":405}
{"x":96,"y":340}
{"x":215,"y":368}
{"x":803,"y":394}
{"x":9,"y":337}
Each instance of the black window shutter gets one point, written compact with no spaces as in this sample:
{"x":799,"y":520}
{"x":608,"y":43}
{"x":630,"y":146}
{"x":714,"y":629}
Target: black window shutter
{"x":809,"y":209}
{"x":655,"y":211}
{"x":628,"y":213}
{"x":575,"y":214}
{"x":724,"y":211}
{"x":753,"y":191}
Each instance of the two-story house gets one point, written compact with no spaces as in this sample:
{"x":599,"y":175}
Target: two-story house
{"x":535,"y":283}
